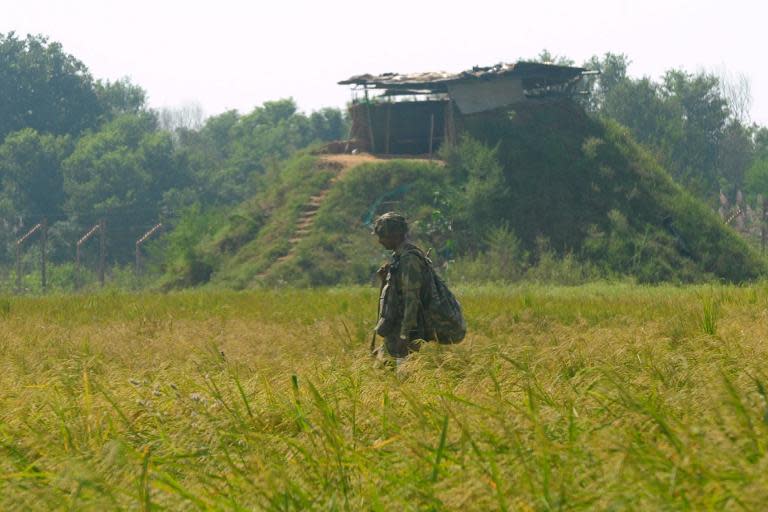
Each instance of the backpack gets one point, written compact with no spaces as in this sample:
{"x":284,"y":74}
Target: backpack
{"x":443,"y":315}
{"x":443,"y":318}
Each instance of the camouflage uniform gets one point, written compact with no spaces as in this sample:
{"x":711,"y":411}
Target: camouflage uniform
{"x":410,"y":275}
{"x":411,"y":279}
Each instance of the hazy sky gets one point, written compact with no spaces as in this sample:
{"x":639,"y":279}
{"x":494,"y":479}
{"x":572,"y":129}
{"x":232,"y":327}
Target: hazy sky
{"x":236,"y":54}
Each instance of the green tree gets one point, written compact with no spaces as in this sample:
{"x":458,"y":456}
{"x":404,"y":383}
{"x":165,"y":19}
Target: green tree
{"x":31,"y":174}
{"x":704,"y":115}
{"x":122,"y":172}
{"x":612,"y":69}
{"x":229,"y":154}
{"x":640,"y":106}
{"x":42,"y":87}
{"x":761,"y":142}
{"x":328,"y":124}
{"x":120,"y":97}
{"x":756,"y":178}
{"x":737,"y":152}
{"x":486,"y":185}
{"x":548,"y":57}
{"x":684,"y":119}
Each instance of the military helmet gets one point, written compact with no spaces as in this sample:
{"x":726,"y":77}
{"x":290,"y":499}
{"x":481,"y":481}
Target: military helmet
{"x":389,"y":224}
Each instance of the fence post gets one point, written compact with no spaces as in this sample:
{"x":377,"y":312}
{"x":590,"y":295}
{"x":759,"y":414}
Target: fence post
{"x":18,"y":267}
{"x":762,"y":224}
{"x":102,"y":250}
{"x":140,"y":242}
{"x":19,"y":243}
{"x":389,"y":116}
{"x":79,"y":244}
{"x":372,"y":148}
{"x":431,"y":134}
{"x":77,"y":266}
{"x":43,"y":243}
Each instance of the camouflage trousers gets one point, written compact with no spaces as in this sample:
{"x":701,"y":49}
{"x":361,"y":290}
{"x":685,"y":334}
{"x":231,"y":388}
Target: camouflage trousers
{"x":401,"y":348}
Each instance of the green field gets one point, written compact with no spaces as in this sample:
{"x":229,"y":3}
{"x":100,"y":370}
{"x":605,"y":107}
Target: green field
{"x":601,"y":397}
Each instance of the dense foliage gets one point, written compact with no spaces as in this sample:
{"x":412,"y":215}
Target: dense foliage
{"x":696,"y":124}
{"x":74,"y":150}
{"x":43,"y":88}
{"x":590,"y":190}
{"x":544,"y":193}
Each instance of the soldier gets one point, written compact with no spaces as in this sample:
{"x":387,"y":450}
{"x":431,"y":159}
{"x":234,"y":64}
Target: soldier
{"x":405,"y":285}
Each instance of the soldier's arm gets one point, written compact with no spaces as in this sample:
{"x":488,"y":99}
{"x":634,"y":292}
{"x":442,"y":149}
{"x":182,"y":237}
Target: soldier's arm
{"x":412,"y":277}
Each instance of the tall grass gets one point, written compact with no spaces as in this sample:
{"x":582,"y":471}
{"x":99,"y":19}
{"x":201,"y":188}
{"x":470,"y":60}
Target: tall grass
{"x":596,"y":397}
{"x":709,"y":315}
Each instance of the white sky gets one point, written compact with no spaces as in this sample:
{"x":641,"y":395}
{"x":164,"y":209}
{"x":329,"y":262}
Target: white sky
{"x":238,"y":54}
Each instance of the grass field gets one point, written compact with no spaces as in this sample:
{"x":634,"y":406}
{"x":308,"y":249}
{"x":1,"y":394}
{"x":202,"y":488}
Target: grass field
{"x":602,"y":397}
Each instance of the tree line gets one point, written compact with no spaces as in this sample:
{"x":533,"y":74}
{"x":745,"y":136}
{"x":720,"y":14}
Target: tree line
{"x":697,"y":124}
{"x":75,"y":149}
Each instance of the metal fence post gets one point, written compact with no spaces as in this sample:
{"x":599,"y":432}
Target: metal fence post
{"x":37,"y":227}
{"x":764,"y":205}
{"x":18,"y":267}
{"x":140,"y":242}
{"x":79,"y":244}
{"x":102,"y":250}
{"x":43,"y":243}
{"x":77,"y":266}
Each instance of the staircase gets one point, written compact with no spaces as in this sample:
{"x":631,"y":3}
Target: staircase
{"x":306,"y":220}
{"x":338,"y":163}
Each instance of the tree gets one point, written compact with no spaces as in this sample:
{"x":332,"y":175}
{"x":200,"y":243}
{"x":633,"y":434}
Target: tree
{"x":43,"y":88}
{"x":639,"y":105}
{"x":30,"y":170}
{"x":737,"y":92}
{"x":486,"y":186}
{"x":756,"y":179}
{"x":704,"y":115}
{"x":189,"y":116}
{"x":547,"y":57}
{"x":612,"y":69}
{"x":736,"y":154}
{"x":230,"y":151}
{"x":685,"y":120}
{"x":761,"y":142}
{"x":122,"y":172}
{"x":120,"y":97}
{"x":328,"y":124}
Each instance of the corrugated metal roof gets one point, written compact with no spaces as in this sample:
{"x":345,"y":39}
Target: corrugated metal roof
{"x":438,"y":81}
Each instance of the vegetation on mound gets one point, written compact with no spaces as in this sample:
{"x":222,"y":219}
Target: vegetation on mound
{"x":589,"y":189}
{"x":590,"y":398}
{"x":237,"y":248}
{"x":544,"y":193}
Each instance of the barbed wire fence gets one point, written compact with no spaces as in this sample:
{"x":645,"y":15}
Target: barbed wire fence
{"x":747,"y":220}
{"x":17,"y":278}
{"x":751,"y":222}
